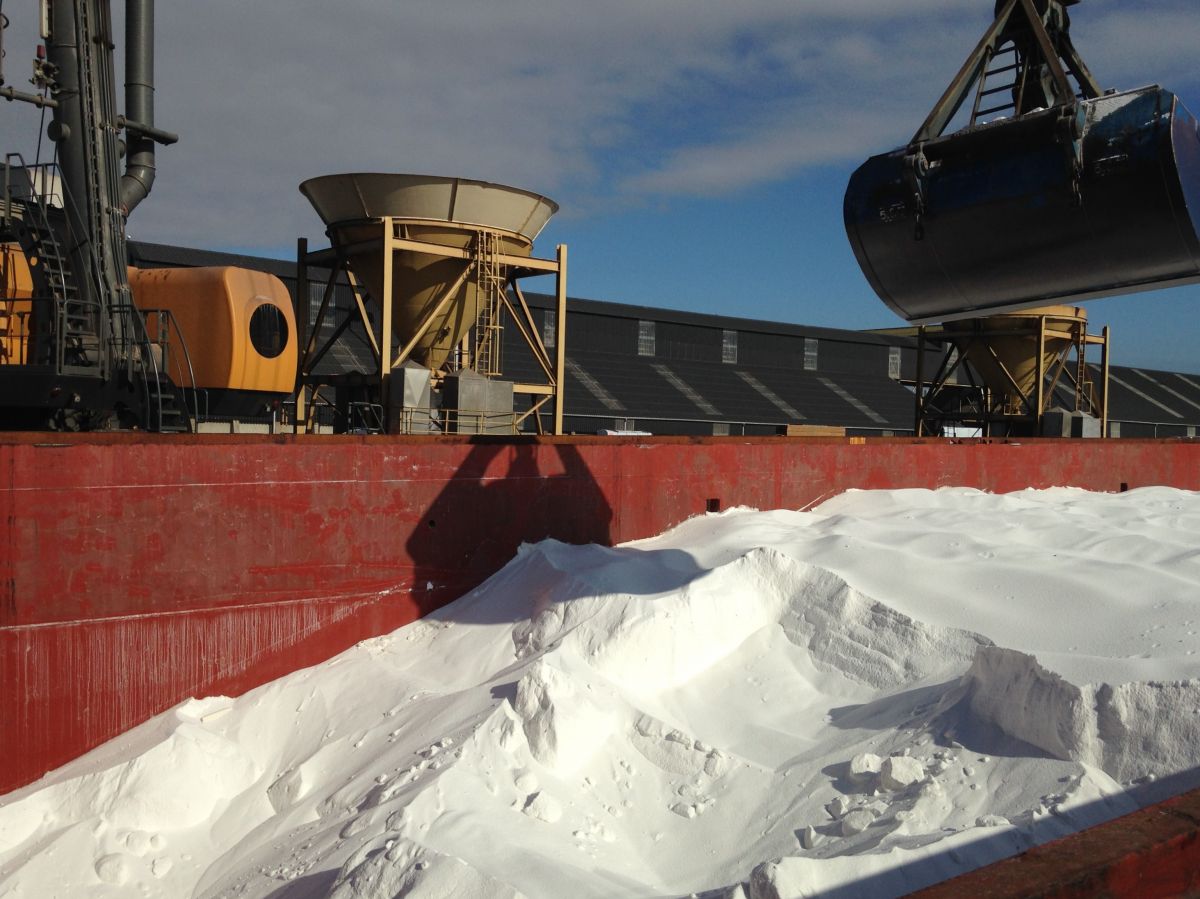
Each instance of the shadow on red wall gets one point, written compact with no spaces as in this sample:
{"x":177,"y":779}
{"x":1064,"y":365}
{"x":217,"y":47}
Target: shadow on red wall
{"x":503,"y":494}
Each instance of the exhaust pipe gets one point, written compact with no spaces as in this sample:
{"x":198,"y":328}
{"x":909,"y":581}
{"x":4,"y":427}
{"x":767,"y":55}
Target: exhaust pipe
{"x":139,"y":104}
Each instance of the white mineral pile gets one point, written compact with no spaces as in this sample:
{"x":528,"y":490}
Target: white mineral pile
{"x":856,"y":701}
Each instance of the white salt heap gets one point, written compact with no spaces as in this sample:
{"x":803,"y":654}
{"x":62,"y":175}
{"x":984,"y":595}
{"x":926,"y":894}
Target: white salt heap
{"x":855,"y":701}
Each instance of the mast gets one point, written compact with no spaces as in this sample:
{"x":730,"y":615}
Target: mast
{"x":97,"y":196}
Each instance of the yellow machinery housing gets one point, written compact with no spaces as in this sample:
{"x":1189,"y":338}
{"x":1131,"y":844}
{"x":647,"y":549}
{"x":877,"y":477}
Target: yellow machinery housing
{"x":238,"y":327}
{"x":15,"y":305}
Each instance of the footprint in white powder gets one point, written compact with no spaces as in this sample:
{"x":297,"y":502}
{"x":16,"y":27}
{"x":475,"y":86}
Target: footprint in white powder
{"x":137,"y":842}
{"x":113,"y":868}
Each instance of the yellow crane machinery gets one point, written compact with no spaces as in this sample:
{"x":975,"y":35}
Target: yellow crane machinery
{"x":88,"y":343}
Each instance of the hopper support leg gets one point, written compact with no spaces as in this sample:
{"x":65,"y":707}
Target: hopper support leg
{"x":560,"y":342}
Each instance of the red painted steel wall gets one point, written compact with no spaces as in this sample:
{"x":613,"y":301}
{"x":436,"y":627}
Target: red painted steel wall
{"x":136,"y":571}
{"x":1150,"y":854}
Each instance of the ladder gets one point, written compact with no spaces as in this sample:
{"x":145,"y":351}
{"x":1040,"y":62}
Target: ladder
{"x":489,"y":327}
{"x":1032,"y":52}
{"x":166,"y":412}
{"x":1021,"y":72}
{"x":72,"y":328}
{"x":5,"y":331}
{"x":7,"y":297}
{"x":986,"y":88}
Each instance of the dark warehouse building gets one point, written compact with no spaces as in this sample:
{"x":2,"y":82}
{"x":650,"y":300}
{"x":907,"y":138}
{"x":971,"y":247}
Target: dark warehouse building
{"x":637,"y":368}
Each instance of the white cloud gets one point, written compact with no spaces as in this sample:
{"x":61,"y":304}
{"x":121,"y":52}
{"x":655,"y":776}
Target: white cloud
{"x":593,"y":103}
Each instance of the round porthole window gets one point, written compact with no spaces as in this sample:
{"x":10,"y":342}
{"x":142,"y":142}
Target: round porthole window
{"x":268,"y":330}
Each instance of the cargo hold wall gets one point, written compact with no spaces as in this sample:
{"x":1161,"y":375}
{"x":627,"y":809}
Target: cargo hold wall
{"x":138,"y":571}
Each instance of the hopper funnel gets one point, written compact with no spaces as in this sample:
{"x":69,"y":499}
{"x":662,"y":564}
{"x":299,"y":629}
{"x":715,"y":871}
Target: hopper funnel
{"x":1000,"y":347}
{"x":456,"y":213}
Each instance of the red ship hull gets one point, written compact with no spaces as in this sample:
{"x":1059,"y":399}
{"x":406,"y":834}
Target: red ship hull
{"x":138,"y":571}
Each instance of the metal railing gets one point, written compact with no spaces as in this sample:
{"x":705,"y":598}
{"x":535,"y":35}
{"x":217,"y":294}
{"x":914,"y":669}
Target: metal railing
{"x":75,"y":323}
{"x":148,"y":343}
{"x":30,"y":185}
{"x":166,"y":327}
{"x":451,"y":421}
{"x":361,"y":417}
{"x":736,"y":428}
{"x":365,"y":418}
{"x":1158,"y":429}
{"x":14,"y":335}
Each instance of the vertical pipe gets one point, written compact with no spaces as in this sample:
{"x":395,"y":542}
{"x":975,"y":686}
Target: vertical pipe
{"x":69,"y":130}
{"x":919,"y":424}
{"x":79,"y":47}
{"x":302,"y":310}
{"x":1104,"y":375}
{"x":1039,"y":399}
{"x":139,"y":102}
{"x":560,"y":340}
{"x":385,"y":348}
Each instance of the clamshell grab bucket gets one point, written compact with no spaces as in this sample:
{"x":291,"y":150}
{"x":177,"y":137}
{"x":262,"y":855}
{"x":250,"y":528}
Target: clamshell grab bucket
{"x":1033,"y":211}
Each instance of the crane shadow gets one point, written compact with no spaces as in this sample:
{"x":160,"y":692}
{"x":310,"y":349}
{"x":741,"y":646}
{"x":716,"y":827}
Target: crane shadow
{"x":506,"y":493}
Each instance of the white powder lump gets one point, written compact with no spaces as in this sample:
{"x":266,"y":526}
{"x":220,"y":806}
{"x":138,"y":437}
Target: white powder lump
{"x":865,"y":767}
{"x":419,"y":874}
{"x":870,"y":696}
{"x":900,"y":773}
{"x":544,"y":808}
{"x":862,"y":638}
{"x":1131,"y":730}
{"x":563,"y":726}
{"x":856,"y":821}
{"x":675,"y":752}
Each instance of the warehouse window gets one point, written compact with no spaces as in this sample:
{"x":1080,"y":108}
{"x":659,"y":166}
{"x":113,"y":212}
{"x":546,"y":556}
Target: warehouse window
{"x":549,"y":328}
{"x":894,"y":363}
{"x":316,"y":292}
{"x":810,"y":354}
{"x":645,"y":338}
{"x":729,"y":347}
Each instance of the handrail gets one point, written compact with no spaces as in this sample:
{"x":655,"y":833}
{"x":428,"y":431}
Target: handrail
{"x":173,"y":323}
{"x":36,"y":200}
{"x":146,"y":342}
{"x":724,"y":421}
{"x":1167,"y":427}
{"x":166,"y":322}
{"x":7,"y":212}
{"x":35,"y":205}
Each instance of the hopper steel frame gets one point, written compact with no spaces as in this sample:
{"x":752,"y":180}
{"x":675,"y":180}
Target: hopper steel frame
{"x":388,"y":358}
{"x":943,"y":401}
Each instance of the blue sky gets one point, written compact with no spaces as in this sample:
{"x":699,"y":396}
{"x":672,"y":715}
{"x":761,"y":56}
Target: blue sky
{"x":699,"y":150}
